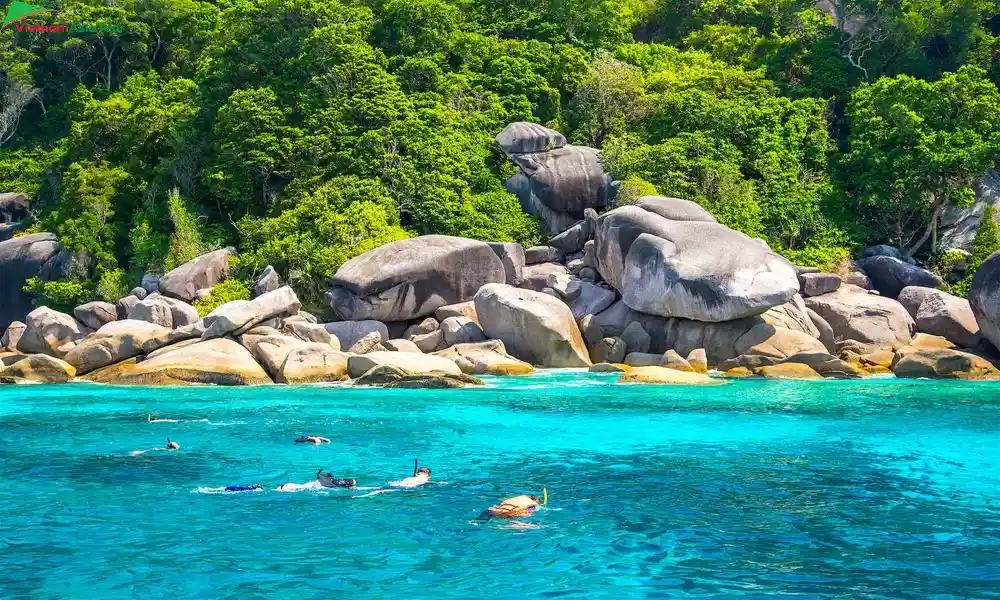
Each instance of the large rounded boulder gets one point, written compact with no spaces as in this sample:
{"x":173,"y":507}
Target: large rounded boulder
{"x":50,"y":332}
{"x":568,"y":179}
{"x":691,"y":269}
{"x":939,"y":313}
{"x":890,"y":275}
{"x":412,"y":278}
{"x":22,"y":258}
{"x":984,"y":298}
{"x":522,"y":137}
{"x":533,"y":326}
{"x":199,"y":273}
{"x":875,"y":321}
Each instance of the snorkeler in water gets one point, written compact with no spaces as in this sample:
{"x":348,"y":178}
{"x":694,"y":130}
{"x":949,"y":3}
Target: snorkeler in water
{"x":421,"y":475}
{"x":244,"y":488}
{"x":312,"y":439}
{"x":518,"y":506}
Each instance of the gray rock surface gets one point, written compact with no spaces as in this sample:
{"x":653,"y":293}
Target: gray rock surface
{"x":349,"y":332}
{"x":553,"y":221}
{"x":462,"y":309}
{"x":984,"y":298}
{"x":815,"y":284}
{"x":408,"y":362}
{"x":22,"y":258}
{"x":139,"y":292}
{"x":636,"y":338}
{"x":12,"y":335}
{"x":124,"y":305}
{"x":96,"y":314}
{"x":521,"y":137}
{"x":412,"y":278}
{"x":268,"y":282}
{"x":890,"y":275}
{"x":461,"y":330}
{"x":573,"y":238}
{"x":512,"y":257}
{"x":826,"y":336}
{"x":543,"y":254}
{"x":198,"y":273}
{"x":234,"y":318}
{"x":309,"y":332}
{"x":399,"y":345}
{"x":164,"y":311}
{"x":568,"y":179}
{"x":939,"y":313}
{"x":429,"y":342}
{"x":854,"y":314}
{"x":539,"y":276}
{"x":675,"y":209}
{"x":49,"y":332}
{"x":370,"y":342}
{"x":426,"y":325}
{"x":533,"y":326}
{"x":608,"y":350}
{"x":690,"y":269}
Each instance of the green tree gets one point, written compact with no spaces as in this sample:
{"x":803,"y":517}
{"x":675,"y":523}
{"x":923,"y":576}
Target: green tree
{"x":986,"y":242}
{"x":915,"y":147}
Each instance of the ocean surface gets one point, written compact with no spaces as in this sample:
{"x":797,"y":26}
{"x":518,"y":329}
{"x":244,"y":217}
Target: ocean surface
{"x":754,"y":489}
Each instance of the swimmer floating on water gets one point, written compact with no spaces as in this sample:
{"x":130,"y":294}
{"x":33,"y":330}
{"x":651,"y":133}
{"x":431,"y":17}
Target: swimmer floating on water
{"x":312,"y":439}
{"x":323,"y":480}
{"x":518,"y":506}
{"x":244,"y":488}
{"x":170,"y":446}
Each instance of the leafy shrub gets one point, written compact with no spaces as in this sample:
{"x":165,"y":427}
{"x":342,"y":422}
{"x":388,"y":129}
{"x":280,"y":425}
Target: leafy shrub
{"x":632,"y":189}
{"x":63,"y":296}
{"x":226,"y":291}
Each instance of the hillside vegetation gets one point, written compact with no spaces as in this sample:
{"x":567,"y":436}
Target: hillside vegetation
{"x":305,"y":132}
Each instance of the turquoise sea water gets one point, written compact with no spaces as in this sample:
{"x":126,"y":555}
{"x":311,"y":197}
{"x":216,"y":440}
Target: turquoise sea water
{"x":756,"y":489}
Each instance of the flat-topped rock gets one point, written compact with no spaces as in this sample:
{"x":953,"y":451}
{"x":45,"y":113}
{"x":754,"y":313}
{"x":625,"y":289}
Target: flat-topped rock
{"x":407,"y":362}
{"x":815,"y":284}
{"x":219,"y":361}
{"x":662,"y":375}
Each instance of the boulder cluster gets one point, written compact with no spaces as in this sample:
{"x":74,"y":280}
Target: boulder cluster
{"x":656,"y":291}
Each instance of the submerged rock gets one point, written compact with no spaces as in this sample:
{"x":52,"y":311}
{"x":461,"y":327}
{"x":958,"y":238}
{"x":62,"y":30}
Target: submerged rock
{"x":408,"y":362}
{"x":788,"y":371}
{"x":664,"y":375}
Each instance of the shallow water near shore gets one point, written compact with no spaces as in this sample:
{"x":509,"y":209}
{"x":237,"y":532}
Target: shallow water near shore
{"x":870,"y":489}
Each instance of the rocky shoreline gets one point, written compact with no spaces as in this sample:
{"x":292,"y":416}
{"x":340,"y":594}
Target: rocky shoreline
{"x":657,"y":290}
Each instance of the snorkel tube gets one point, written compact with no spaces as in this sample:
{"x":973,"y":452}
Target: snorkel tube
{"x":545,"y":496}
{"x":416,"y":464}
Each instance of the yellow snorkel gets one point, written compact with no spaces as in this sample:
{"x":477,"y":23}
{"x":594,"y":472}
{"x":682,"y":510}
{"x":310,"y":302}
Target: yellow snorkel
{"x":545,"y":496}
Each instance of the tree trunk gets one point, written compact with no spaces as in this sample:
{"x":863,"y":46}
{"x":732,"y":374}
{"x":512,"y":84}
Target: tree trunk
{"x":931,"y":228}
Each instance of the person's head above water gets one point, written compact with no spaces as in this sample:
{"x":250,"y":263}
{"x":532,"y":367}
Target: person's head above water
{"x":172,"y":445}
{"x":424,"y":471}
